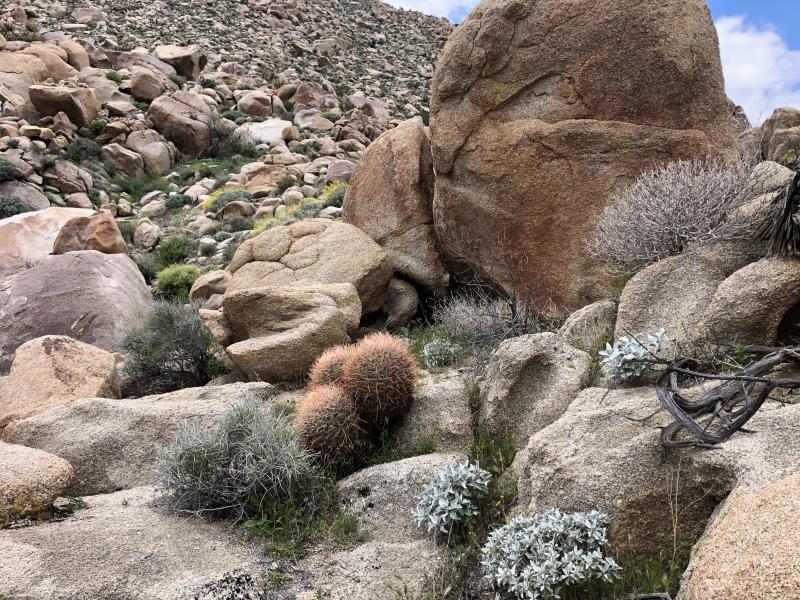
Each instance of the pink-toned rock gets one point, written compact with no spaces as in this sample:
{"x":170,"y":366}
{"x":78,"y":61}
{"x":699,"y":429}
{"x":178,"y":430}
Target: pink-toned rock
{"x":95,"y":232}
{"x":186,"y":119}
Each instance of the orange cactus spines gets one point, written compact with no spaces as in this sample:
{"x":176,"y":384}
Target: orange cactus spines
{"x":327,"y":369}
{"x":380,"y":374}
{"x":328,"y":424}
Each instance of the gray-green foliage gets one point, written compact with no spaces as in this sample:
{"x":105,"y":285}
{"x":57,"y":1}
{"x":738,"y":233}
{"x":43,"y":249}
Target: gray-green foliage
{"x":440,"y":352}
{"x":8,"y":171}
{"x":452,"y":497}
{"x":627,"y":358}
{"x":534,"y":558}
{"x":11,"y":205}
{"x":250,"y":461}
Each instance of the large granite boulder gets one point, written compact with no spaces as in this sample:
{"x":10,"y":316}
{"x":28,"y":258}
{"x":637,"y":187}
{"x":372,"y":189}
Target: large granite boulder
{"x":53,"y":370}
{"x":90,"y":295}
{"x":98,"y":231}
{"x":390,"y":197}
{"x":18,"y":72}
{"x":188,"y":61}
{"x":31,"y":196}
{"x":78,"y":102}
{"x":541,"y":111}
{"x":115,"y":444}
{"x":185,"y":119}
{"x":314,"y":251}
{"x":27,"y":238}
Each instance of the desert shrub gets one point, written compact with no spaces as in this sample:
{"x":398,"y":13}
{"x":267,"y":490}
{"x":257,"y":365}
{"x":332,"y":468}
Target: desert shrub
{"x":668,"y":209}
{"x":452,"y":498}
{"x":224,"y":144}
{"x":127,"y":229}
{"x":112,"y":75}
{"x":329,"y":426}
{"x":265,"y":223}
{"x":207,"y":248}
{"x":220,"y":198}
{"x":533,"y":558}
{"x":11,"y":205}
{"x":178,"y":80}
{"x":170,"y":350}
{"x":177,"y":201}
{"x":380,"y":374}
{"x":627,"y":357}
{"x":136,"y":187}
{"x":327,"y":369}
{"x":230,"y":250}
{"x":439,"y":353}
{"x":83,"y":150}
{"x":238,"y":223}
{"x":252,"y":461}
{"x":147,"y":266}
{"x":305,"y":210}
{"x":479,"y":321}
{"x":221,"y":236}
{"x":284,"y":184}
{"x":172,"y":250}
{"x":8,"y":171}
{"x":97,"y":126}
{"x":175,"y":281}
{"x":333,"y":194}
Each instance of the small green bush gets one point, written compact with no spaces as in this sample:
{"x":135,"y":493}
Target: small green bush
{"x":178,"y":80}
{"x":147,"y":266}
{"x":285,"y":183}
{"x":172,"y":349}
{"x":84,"y":150}
{"x":97,"y":126}
{"x":176,"y":281}
{"x":178,"y":201}
{"x":173,"y":250}
{"x":8,"y":171}
{"x":137,"y":187}
{"x":114,"y":76}
{"x":11,"y":205}
{"x":207,"y":249}
{"x":223,"y":199}
{"x":230,"y":250}
{"x":221,"y":236}
{"x":225,"y":145}
{"x":127,"y":229}
{"x":333,"y":194}
{"x":251,"y":464}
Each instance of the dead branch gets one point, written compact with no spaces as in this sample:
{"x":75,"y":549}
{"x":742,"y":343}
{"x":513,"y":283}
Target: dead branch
{"x":724,"y":409}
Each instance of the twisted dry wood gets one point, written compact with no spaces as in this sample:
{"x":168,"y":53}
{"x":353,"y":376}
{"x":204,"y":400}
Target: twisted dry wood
{"x":724,"y":409}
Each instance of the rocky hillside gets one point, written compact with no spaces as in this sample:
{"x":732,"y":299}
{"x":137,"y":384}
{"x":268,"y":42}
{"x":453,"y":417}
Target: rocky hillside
{"x":342,"y":45}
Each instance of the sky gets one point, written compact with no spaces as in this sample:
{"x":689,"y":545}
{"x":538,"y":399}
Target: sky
{"x":759,"y":43}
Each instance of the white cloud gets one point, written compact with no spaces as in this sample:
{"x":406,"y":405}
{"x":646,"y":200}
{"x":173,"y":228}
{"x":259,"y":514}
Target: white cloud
{"x":761,"y":72}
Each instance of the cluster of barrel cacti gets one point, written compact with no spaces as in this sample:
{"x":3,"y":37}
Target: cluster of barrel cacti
{"x":356,"y":392}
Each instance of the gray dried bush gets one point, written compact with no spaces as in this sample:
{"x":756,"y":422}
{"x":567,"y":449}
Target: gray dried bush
{"x":251,"y":462}
{"x":671,"y":208}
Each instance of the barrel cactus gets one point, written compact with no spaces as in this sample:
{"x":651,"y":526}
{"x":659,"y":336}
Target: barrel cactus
{"x":328,"y":367}
{"x":380,"y":375}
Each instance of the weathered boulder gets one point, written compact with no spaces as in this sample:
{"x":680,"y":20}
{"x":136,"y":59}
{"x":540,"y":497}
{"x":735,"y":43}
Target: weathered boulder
{"x":88,"y":294}
{"x":78,"y":102}
{"x":185,"y":119}
{"x":527,"y":116}
{"x":31,"y":480}
{"x":53,"y":370}
{"x":31,"y":197}
{"x":147,"y":234}
{"x":98,"y":231}
{"x":18,"y":73}
{"x":402,"y":302}
{"x":780,"y":136}
{"x":274,"y":333}
{"x":205,"y":286}
{"x":54,"y":57}
{"x":27,"y":238}
{"x":530,"y":382}
{"x":147,"y":84}
{"x":390,"y":197}
{"x":751,"y":550}
{"x":68,"y":178}
{"x":310,"y":252}
{"x":188,"y":61}
{"x":383,"y":496}
{"x":260,"y":104}
{"x":115,"y":444}
{"x":591,"y":327}
{"x":127,"y":162}
{"x":121,"y":546}
{"x":439,"y":417}
{"x":158,"y":154}
{"x":263,"y":132}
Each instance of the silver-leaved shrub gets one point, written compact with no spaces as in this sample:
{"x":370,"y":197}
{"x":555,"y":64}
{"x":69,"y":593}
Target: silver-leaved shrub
{"x":440,"y":353}
{"x":452,"y":497}
{"x":627,"y":357}
{"x":533,"y":558}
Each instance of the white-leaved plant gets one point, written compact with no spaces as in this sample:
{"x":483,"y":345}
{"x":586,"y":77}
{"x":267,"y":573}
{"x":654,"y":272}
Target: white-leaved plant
{"x":627,"y":357}
{"x":440,"y":353}
{"x":452,"y":497}
{"x":533,"y":558}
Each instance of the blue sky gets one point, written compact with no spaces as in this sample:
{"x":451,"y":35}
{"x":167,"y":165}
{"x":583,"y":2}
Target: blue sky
{"x":759,"y":42}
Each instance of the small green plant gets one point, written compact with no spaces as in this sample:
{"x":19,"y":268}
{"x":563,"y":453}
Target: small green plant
{"x":630,"y":356}
{"x":127,"y":229}
{"x":170,"y":350}
{"x":147,"y":266}
{"x":452,"y":498}
{"x":175,"y":282}
{"x":220,"y":200}
{"x":83,"y":150}
{"x":8,"y":171}
{"x":221,"y":236}
{"x":284,"y":184}
{"x":440,"y":353}
{"x":333,"y":194}
{"x":97,"y":126}
{"x":238,"y":223}
{"x":11,"y":205}
{"x":533,"y":558}
{"x":178,"y":201}
{"x":230,"y":250}
{"x":178,"y":80}
{"x":172,"y":250}
{"x":137,"y":187}
{"x":112,"y":75}
{"x":380,"y":374}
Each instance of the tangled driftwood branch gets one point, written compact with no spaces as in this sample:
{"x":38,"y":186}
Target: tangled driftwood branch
{"x":723,"y":410}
